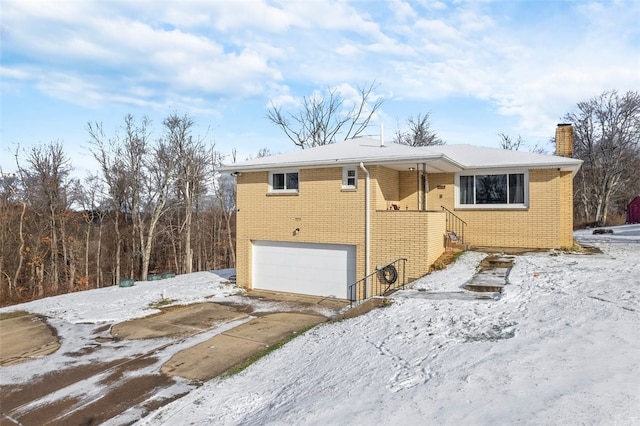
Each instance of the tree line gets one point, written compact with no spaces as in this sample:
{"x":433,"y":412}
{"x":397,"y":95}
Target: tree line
{"x":155,"y":205}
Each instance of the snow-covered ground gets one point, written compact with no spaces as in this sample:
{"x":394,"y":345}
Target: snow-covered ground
{"x":560,"y":346}
{"x":116,"y":304}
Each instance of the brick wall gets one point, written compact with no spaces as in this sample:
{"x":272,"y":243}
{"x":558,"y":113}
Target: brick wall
{"x":564,"y":140}
{"x":546,"y":223}
{"x":325,"y":213}
{"x":566,"y":209}
{"x":322,"y":211}
{"x":385,"y":189}
{"x":417,"y":236}
{"x":441,"y":191}
{"x":408,"y":190}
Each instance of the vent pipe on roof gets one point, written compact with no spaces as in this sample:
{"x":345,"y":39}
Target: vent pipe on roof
{"x":381,"y":134}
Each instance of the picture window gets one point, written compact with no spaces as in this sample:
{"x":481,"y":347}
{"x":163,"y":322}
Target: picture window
{"x":492,"y":190}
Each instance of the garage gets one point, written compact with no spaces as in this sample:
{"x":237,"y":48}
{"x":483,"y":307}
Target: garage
{"x":307,"y":268}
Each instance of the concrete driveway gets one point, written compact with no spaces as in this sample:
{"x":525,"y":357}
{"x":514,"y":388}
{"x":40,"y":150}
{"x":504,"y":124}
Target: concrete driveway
{"x":196,"y":342}
{"x":223,"y":351}
{"x":25,"y":337}
{"x":226,"y":350}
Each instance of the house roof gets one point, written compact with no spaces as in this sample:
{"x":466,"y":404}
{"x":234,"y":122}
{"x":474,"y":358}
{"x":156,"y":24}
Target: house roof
{"x":438,"y":159}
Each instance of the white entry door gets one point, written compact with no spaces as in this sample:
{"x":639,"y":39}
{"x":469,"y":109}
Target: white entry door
{"x":307,"y":268}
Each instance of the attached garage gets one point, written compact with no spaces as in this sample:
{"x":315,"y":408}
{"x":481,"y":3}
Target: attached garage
{"x":307,"y":268}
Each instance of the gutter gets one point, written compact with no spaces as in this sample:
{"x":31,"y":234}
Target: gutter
{"x":333,"y":162}
{"x":367,"y":230}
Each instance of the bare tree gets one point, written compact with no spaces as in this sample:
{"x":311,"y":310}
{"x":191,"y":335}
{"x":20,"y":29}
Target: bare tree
{"x":89,"y":197}
{"x":108,"y":152}
{"x":47,"y":183}
{"x":138,"y":176}
{"x":418,"y":132}
{"x":136,"y":215}
{"x":159,"y":171}
{"x":193,"y":166}
{"x":607,"y":139}
{"x":506,"y":142}
{"x":9,"y":201}
{"x":225,"y":193}
{"x":322,"y":118}
{"x":264,"y":152}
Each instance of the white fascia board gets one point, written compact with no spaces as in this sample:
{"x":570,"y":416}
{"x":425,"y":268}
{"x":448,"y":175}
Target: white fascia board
{"x":338,"y":162}
{"x":572,"y":166}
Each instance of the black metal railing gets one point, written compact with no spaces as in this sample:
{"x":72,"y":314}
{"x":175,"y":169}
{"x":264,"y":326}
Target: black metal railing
{"x":386,"y":279}
{"x":455,"y":226}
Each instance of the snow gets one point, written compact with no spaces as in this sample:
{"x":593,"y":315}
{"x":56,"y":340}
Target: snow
{"x":369,"y":151}
{"x":561,"y":345}
{"x":115,"y":304}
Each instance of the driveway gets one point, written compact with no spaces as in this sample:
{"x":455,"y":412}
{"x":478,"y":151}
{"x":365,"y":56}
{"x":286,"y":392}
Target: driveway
{"x":139,"y":365}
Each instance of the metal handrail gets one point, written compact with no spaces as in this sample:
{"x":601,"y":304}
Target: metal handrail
{"x":455,"y":224}
{"x":380,"y":281}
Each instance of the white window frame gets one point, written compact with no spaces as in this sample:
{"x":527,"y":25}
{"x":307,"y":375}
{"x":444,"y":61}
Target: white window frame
{"x":475,"y":173}
{"x":285,"y":190}
{"x":346,"y":177}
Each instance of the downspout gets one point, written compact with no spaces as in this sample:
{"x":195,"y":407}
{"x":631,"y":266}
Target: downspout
{"x":367,"y":229}
{"x":425,"y":186}
{"x":418,"y":187}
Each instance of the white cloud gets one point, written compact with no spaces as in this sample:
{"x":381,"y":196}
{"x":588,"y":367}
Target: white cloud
{"x":198,"y":54}
{"x":240,"y":15}
{"x":13,"y":73}
{"x":284,"y":101}
{"x":433,"y":29}
{"x":402,"y":10}
{"x":433,"y":4}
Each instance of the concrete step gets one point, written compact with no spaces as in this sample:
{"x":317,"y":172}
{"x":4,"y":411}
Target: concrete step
{"x":492,"y":276}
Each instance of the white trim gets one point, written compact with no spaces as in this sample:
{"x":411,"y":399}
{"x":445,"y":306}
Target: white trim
{"x":346,"y":177}
{"x":475,"y":172}
{"x":367,"y":230}
{"x":285,"y":190}
{"x":319,"y":269}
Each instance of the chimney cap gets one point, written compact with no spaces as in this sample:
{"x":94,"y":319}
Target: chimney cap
{"x":564,"y":124}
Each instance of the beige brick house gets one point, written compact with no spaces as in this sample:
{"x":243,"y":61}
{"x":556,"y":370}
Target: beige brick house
{"x":315,"y":221}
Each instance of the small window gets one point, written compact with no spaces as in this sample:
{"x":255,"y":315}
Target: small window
{"x":492,"y":190}
{"x":284,"y":181}
{"x":349,"y":178}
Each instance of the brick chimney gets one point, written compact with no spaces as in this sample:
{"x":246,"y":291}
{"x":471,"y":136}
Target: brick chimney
{"x":564,"y":140}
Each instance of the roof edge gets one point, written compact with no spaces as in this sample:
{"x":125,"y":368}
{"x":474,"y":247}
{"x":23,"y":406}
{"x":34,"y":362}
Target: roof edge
{"x":326,"y":163}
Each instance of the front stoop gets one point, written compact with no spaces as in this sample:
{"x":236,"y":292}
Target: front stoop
{"x":493,"y":275}
{"x":364,"y":307}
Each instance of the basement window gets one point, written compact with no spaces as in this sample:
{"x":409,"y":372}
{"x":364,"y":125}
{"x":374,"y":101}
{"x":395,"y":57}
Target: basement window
{"x":492,"y":190}
{"x":283,"y":181}
{"x":349,"y":178}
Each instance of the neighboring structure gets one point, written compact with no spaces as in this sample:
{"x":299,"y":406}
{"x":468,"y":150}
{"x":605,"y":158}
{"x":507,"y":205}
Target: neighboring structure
{"x":314,"y":221}
{"x":633,"y":211}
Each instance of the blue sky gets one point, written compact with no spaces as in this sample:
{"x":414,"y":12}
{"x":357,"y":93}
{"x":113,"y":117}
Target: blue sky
{"x":479,"y":67}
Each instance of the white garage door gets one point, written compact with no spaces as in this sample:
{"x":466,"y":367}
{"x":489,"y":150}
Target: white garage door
{"x":317,"y":269}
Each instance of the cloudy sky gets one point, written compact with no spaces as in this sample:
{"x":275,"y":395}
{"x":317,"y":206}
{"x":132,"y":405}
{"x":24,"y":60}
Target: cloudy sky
{"x":479,"y":67}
